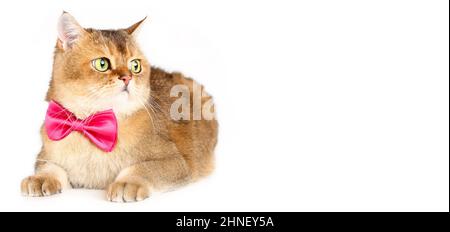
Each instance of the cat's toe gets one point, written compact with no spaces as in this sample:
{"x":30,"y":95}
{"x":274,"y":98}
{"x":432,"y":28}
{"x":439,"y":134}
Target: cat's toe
{"x":127,"y":192}
{"x":39,"y":186}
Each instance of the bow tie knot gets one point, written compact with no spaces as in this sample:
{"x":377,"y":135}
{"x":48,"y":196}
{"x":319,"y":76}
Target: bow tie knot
{"x":100,"y":128}
{"x":78,"y":125}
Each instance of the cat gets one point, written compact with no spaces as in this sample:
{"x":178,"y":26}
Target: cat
{"x":98,"y":70}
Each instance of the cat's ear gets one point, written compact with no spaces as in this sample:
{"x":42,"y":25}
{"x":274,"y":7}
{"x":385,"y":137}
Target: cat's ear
{"x":133,"y":29}
{"x":69,"y":31}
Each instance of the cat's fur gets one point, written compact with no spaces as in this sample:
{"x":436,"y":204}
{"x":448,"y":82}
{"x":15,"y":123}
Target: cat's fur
{"x":153,"y":151}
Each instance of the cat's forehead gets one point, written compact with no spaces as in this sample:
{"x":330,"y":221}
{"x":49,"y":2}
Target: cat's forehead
{"x":117,"y":41}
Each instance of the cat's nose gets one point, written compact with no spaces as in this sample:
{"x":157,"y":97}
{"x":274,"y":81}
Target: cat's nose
{"x":125,"y":79}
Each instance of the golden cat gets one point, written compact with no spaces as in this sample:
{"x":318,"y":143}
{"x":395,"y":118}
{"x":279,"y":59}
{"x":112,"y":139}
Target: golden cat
{"x":96,"y":70}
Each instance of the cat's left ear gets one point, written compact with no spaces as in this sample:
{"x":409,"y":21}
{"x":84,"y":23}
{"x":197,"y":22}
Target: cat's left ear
{"x":133,"y":29}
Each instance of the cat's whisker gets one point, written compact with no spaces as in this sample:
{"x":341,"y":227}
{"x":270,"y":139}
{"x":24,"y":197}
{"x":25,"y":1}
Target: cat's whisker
{"x":145,"y":101}
{"x":155,"y":104}
{"x":91,"y":98}
{"x":149,"y":114}
{"x":95,"y":98}
{"x":69,"y":116}
{"x":155,"y":112}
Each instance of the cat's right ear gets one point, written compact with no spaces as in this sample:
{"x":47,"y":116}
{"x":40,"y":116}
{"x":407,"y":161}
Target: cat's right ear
{"x":69,"y":31}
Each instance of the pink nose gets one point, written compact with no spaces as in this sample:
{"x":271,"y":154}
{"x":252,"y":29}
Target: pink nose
{"x":125,"y":79}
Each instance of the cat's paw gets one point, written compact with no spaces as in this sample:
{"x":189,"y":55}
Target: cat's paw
{"x":126,"y":191}
{"x":40,"y":186}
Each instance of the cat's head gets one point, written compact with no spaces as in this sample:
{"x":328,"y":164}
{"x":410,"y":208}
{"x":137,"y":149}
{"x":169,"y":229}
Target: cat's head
{"x":96,"y":70}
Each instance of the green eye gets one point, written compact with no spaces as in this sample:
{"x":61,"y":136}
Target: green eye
{"x":101,"y":64}
{"x":135,"y":66}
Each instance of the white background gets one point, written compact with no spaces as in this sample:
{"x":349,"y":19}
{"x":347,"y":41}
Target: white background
{"x":323,"y":105}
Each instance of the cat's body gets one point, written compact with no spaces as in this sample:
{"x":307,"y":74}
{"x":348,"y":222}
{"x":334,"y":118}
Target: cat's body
{"x":192,"y":142}
{"x":153,"y":151}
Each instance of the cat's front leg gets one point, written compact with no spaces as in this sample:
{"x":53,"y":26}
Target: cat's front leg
{"x":49,"y":179}
{"x":135,"y":183}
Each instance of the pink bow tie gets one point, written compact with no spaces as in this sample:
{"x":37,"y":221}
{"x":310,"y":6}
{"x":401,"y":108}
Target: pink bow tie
{"x":99,"y":128}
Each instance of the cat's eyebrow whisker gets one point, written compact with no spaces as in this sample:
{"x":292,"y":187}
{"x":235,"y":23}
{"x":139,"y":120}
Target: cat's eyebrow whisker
{"x":104,"y":44}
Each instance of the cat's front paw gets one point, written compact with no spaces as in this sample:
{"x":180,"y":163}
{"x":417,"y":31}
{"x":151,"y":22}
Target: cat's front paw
{"x":39,"y":186}
{"x":128,"y":191}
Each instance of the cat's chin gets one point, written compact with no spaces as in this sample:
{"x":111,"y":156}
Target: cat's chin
{"x":125,"y":104}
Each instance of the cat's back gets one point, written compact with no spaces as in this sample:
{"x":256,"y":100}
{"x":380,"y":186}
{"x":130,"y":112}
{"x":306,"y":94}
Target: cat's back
{"x":195,"y":139}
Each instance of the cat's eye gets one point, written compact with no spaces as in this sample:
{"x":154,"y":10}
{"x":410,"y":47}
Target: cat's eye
{"x":135,"y":66}
{"x":101,"y":64}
